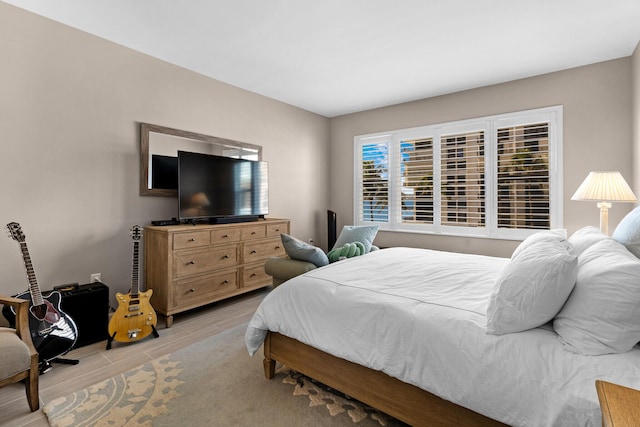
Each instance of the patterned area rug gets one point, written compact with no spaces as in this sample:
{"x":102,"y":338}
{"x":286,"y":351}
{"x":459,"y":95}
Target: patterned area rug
{"x":213,"y":383}
{"x":335,"y":402}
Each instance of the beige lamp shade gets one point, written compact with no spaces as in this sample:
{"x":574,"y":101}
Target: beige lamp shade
{"x":604,"y":187}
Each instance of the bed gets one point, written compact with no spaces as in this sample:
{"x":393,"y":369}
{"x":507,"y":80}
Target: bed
{"x":428,"y":337}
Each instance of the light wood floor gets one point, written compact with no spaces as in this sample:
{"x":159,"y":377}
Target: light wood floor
{"x":97,"y":364}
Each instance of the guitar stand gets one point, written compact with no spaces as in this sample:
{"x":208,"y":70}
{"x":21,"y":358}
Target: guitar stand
{"x":46,"y":366}
{"x":112,"y":337}
{"x":110,"y":340}
{"x":66,"y":361}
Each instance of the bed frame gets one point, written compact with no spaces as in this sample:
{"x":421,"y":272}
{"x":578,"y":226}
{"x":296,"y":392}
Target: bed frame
{"x":403,"y":401}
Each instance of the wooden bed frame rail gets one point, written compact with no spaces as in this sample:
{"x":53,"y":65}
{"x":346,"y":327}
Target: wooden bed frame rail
{"x":403,"y":401}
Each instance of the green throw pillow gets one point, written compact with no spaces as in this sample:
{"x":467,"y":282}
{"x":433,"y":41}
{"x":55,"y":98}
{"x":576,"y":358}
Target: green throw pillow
{"x":349,"y":250}
{"x":302,"y":251}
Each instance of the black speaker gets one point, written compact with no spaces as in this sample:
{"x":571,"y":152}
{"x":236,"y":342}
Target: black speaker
{"x":331,"y":229}
{"x":88,"y":306}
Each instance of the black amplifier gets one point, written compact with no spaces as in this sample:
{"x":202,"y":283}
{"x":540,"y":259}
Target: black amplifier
{"x":88,"y":306}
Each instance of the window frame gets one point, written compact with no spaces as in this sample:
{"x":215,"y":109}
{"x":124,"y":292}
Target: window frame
{"x":490,"y":125}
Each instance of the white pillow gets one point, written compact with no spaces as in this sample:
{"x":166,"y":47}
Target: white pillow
{"x":628,"y":232}
{"x":602,"y":315}
{"x":559,"y":234}
{"x":583,"y":238}
{"x":533,"y":287}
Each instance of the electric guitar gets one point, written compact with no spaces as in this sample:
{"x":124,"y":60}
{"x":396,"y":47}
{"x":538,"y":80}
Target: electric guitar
{"x":134,"y":318}
{"x":53,"y":332}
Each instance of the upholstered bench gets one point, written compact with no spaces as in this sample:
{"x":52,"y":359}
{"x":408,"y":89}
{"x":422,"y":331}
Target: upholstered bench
{"x":303,"y":257}
{"x":283,"y":269}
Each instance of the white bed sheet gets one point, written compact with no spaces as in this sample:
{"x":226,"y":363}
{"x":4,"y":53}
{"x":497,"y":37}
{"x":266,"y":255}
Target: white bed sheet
{"x":419,"y":315}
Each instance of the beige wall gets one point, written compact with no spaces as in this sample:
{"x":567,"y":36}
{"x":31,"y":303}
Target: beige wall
{"x":635,"y":90}
{"x":597,"y":136}
{"x":69,"y":109}
{"x":70,"y":105}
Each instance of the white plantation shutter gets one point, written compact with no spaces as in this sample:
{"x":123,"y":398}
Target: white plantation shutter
{"x":415,"y":175}
{"x":523,"y":176}
{"x":373,"y":177}
{"x":498,"y":176}
{"x":462,"y":179}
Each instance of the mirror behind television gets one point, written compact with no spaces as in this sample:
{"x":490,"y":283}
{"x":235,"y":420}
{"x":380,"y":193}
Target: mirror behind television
{"x":218,"y":189}
{"x":159,"y":147}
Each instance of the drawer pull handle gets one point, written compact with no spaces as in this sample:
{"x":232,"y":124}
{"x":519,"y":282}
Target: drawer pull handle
{"x":278,"y":247}
{"x":253,"y":232}
{"x":277,"y":229}
{"x":225,"y":282}
{"x":193,"y":239}
{"x":254,"y":251}
{"x":225,"y":257}
{"x":192,"y":290}
{"x":191,"y":262}
{"x":254,"y":274}
{"x":225,"y":236}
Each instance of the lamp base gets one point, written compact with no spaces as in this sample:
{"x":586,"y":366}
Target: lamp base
{"x":604,"y":217}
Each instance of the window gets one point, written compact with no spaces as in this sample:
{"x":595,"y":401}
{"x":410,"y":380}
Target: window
{"x":494,"y":176}
{"x":523,"y":177}
{"x":417,"y":177}
{"x":374,"y":181}
{"x":462,"y":170}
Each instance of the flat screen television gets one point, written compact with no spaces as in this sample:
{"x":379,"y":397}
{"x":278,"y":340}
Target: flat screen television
{"x":221,"y":189}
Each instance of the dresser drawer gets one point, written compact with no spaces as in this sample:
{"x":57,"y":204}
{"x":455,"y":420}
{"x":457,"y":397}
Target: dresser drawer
{"x":254,"y":275}
{"x":202,"y":261}
{"x":191,"y":239}
{"x":225,"y":235}
{"x":275,"y":230}
{"x":257,"y":251}
{"x":254,"y":232}
{"x":193,"y":291}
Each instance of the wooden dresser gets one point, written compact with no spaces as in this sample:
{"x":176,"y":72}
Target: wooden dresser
{"x":188,"y":266}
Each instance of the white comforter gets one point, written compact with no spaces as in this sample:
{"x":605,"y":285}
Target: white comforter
{"x":419,"y":315}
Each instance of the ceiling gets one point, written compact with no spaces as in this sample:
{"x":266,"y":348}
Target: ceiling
{"x":334,"y":57}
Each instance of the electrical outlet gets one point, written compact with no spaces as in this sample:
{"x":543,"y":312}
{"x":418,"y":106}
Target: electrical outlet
{"x":96,"y":277}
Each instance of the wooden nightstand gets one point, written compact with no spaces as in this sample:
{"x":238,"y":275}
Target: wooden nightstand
{"x":620,"y":405}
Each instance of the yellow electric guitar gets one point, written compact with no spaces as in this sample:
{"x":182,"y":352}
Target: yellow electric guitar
{"x":134,"y":318}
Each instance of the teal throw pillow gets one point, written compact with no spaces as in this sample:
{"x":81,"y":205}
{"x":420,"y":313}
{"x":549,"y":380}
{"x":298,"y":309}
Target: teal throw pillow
{"x":364,"y":234}
{"x":302,"y":251}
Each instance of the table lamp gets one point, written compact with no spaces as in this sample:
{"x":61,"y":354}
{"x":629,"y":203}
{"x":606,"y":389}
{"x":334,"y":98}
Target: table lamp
{"x":604,"y":187}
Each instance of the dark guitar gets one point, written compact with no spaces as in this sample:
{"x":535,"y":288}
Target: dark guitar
{"x":134,"y":318}
{"x":53,"y":332}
